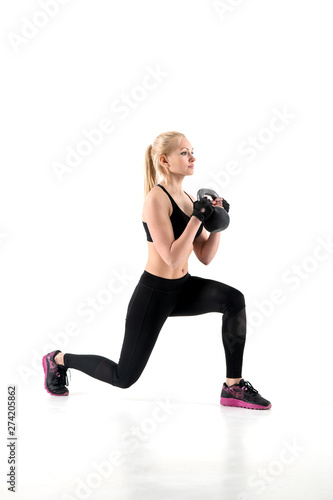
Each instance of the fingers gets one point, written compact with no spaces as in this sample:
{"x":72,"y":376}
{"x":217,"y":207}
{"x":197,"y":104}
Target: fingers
{"x":217,"y":202}
{"x":221,"y":202}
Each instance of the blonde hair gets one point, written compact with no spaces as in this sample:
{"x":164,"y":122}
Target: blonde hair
{"x":164,"y":144}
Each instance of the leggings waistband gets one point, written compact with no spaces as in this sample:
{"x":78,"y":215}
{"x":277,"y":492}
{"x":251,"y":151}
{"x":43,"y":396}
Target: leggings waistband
{"x":160,"y":283}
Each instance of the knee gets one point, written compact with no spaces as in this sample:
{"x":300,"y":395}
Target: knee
{"x":237,"y":300}
{"x":125,"y":383}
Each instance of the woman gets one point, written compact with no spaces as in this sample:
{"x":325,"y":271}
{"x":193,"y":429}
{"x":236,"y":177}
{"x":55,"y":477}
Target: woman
{"x":173,"y":221}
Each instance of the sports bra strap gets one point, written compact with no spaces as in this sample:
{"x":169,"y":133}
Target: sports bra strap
{"x":188,"y":196}
{"x":172,"y":200}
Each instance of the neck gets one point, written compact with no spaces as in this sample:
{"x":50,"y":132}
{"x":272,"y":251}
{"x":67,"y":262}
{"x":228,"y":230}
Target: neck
{"x":174,"y":185}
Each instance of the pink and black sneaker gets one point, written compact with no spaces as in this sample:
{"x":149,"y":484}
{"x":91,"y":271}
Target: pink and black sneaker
{"x":55,"y":376}
{"x":244,"y":396}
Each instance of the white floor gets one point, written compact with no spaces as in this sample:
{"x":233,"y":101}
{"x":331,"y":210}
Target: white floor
{"x":101,"y":444}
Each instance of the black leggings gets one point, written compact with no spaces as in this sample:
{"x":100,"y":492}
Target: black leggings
{"x":154,"y":299}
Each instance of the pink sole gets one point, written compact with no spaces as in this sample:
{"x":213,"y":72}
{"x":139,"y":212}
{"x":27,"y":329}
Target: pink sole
{"x":45,"y":372}
{"x":241,"y":404}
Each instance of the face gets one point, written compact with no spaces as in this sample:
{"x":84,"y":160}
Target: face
{"x":181,"y":161}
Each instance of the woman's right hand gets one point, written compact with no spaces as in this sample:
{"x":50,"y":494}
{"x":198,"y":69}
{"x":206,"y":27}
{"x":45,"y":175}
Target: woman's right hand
{"x":202,"y":209}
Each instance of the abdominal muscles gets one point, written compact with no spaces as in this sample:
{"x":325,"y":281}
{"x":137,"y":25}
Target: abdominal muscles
{"x":156,"y":265}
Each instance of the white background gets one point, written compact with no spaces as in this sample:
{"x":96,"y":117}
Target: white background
{"x":62,"y":238}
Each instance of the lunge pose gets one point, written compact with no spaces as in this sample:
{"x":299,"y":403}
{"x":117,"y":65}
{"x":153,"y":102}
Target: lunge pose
{"x":174,"y":222}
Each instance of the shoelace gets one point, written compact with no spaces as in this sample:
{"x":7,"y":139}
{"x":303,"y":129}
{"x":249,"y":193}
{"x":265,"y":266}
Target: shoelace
{"x":63,"y":378}
{"x":249,"y":387}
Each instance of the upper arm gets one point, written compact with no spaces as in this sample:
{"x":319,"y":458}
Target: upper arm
{"x":200,"y":240}
{"x":159,"y":224}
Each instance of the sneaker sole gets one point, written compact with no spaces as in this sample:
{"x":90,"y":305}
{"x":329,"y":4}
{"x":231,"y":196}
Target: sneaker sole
{"x":45,"y":376}
{"x":242,"y":404}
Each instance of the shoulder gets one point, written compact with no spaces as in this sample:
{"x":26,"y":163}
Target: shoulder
{"x":155,"y":194}
{"x":156,"y":199}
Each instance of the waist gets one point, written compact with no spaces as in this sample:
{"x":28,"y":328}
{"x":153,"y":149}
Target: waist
{"x":164,"y":284}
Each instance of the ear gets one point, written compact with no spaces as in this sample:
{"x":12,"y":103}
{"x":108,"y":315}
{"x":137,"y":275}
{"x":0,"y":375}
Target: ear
{"x":164,"y":166}
{"x":163,"y":161}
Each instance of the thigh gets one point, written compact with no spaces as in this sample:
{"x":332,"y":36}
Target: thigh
{"x":201,"y":295}
{"x":147,"y":311}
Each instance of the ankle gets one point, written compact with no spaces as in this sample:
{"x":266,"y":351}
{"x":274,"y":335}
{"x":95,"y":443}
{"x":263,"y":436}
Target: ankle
{"x":232,"y":381}
{"x":59,"y":358}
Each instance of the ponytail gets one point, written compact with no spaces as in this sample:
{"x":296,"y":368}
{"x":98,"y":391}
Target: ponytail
{"x":150,"y":174}
{"x":164,"y":144}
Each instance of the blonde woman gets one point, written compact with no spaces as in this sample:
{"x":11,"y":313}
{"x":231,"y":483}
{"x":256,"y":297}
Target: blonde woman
{"x":174,"y":225}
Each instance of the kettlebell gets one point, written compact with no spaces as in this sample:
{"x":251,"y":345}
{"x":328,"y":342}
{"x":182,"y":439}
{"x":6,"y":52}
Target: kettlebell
{"x":219,"y":219}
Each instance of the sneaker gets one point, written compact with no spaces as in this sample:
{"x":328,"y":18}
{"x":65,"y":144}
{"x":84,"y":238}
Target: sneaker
{"x":55,"y":376}
{"x":243,"y":395}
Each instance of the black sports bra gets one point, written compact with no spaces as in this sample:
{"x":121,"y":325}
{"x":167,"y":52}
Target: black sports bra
{"x":179,"y":219}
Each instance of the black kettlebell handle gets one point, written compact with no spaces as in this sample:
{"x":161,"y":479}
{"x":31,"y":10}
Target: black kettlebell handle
{"x":201,"y":193}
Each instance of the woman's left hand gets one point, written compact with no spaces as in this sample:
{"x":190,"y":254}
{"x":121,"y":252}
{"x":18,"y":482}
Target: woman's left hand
{"x":217,"y":202}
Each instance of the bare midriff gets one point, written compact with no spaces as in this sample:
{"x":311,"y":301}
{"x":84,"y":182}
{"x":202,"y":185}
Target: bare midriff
{"x":156,"y":265}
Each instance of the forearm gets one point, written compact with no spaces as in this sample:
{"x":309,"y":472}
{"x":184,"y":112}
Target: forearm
{"x":180,"y":248}
{"x":209,"y":248}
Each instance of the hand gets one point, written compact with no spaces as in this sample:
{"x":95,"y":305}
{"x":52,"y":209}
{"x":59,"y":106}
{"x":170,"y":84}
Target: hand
{"x":221,"y":202}
{"x":217,"y":202}
{"x":202,"y":209}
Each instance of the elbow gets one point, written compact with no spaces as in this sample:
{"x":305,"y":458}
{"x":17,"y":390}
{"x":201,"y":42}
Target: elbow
{"x":172,"y":262}
{"x":203,"y":260}
{"x":206,"y":261}
{"x":173,"y":265}
{"x":169,"y":260}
